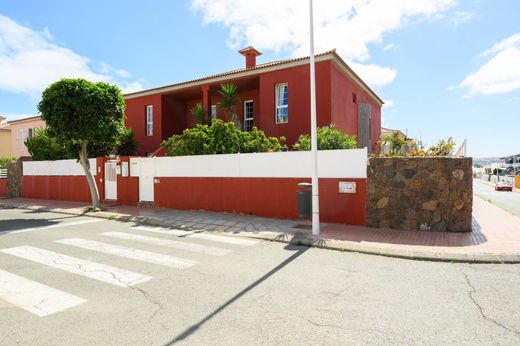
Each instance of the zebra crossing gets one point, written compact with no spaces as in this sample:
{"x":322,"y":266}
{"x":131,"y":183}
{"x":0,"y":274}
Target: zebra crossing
{"x":42,"y":300}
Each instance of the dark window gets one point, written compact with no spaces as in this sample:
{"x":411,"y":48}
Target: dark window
{"x":354,"y":98}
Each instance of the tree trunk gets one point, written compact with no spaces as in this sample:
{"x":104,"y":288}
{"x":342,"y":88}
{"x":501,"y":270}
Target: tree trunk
{"x":83,"y":160}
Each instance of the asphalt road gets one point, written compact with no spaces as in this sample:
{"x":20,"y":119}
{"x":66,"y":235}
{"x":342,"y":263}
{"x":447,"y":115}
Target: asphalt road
{"x":507,"y":200}
{"x":68,"y":280}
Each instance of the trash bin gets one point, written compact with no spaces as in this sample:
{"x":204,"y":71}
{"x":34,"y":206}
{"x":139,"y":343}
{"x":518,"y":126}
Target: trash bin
{"x":304,"y":195}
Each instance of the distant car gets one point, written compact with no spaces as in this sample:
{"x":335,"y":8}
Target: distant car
{"x":503,"y":186}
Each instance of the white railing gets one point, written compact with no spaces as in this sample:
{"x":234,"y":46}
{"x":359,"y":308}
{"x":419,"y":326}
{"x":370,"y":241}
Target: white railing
{"x":3,"y":173}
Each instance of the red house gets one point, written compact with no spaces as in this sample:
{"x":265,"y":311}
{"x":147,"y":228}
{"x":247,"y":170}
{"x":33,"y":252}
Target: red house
{"x":275,"y":97}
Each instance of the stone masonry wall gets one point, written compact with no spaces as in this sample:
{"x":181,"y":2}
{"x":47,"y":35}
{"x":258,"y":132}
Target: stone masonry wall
{"x":14,"y":177}
{"x":420,"y":193}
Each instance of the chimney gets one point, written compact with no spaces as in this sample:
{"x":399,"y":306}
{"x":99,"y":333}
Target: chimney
{"x":250,"y":53}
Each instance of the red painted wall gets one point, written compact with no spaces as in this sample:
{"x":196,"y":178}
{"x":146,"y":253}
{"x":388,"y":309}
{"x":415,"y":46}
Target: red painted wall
{"x":345,"y":110}
{"x":271,"y":197}
{"x":3,"y":187}
{"x":136,"y":119}
{"x":334,"y":104}
{"x":298,"y":79}
{"x":127,"y":187}
{"x":65,"y":188}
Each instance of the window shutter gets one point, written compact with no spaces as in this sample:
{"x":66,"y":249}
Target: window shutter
{"x":364,"y":115}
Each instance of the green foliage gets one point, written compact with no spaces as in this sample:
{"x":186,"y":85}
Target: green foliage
{"x":415,"y":149}
{"x":199,"y":113}
{"x":220,"y":138}
{"x":78,"y":111}
{"x":442,"y":148}
{"x":229,"y":94}
{"x":126,"y":144}
{"x":329,"y":138}
{"x":4,"y":161}
{"x":395,"y":141}
{"x":43,"y":146}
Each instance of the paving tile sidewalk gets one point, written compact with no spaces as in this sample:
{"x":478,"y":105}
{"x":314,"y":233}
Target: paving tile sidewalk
{"x":495,"y":237}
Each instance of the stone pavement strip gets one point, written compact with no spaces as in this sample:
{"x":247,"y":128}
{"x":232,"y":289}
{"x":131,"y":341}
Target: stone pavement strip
{"x":495,"y":237}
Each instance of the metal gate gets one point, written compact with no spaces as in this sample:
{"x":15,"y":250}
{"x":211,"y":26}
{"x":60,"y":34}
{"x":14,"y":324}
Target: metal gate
{"x":146,"y":180}
{"x":111,"y":180}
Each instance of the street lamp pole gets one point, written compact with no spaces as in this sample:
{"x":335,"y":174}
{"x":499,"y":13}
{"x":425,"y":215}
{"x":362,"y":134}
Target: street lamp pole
{"x":314,"y":136}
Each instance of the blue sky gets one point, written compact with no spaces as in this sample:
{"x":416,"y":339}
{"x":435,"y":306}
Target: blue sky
{"x":445,"y":67}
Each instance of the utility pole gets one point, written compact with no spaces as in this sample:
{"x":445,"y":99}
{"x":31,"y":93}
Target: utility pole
{"x":314,"y":135}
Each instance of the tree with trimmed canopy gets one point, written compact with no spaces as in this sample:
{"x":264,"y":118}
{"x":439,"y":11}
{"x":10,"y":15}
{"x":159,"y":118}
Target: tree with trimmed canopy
{"x":83,"y":115}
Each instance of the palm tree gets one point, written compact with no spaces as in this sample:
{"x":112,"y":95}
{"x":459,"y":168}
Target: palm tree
{"x":229,"y":94}
{"x":199,"y":113}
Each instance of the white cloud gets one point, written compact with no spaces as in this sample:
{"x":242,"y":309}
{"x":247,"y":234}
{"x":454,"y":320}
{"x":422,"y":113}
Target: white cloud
{"x":510,"y":42}
{"x":31,"y":60}
{"x":500,"y":74}
{"x":389,"y":104}
{"x":132,"y":87}
{"x":350,"y":26}
{"x":123,"y":73}
{"x":389,"y":47}
{"x":374,"y":74}
{"x":461,"y":16}
{"x":16,"y":116}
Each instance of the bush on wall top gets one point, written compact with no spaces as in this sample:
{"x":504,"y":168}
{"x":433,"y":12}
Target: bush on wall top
{"x":329,"y":138}
{"x":412,"y":148}
{"x":221,"y":138}
{"x":4,"y":161}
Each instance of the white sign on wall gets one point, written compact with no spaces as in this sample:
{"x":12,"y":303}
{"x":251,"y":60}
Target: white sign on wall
{"x":347,"y":187}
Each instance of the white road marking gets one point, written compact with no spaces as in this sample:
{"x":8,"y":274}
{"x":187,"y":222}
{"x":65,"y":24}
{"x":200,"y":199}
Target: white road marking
{"x":208,"y":250}
{"x":205,"y":236}
{"x":64,"y":224}
{"x":97,"y":271}
{"x":127,"y":252}
{"x":34,"y":297}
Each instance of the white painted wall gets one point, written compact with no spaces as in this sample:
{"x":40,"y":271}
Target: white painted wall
{"x":296,"y":164}
{"x":60,"y":167}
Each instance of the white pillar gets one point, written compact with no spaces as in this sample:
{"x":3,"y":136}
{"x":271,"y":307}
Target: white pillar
{"x":314,"y":137}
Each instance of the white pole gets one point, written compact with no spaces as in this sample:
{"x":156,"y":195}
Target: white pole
{"x":314,"y":137}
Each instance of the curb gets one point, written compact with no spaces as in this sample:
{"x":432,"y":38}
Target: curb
{"x":304,"y":240}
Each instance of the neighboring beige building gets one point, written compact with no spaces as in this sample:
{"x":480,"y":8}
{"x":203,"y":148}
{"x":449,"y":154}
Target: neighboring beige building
{"x":22,"y":129}
{"x":5,"y":139}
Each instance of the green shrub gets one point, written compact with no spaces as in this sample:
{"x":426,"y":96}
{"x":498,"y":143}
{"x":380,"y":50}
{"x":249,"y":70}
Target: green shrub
{"x":395,"y":141}
{"x":44,"y":146}
{"x":329,"y":138}
{"x":220,"y":138}
{"x":126,"y":144}
{"x":442,"y":148}
{"x":4,"y":161}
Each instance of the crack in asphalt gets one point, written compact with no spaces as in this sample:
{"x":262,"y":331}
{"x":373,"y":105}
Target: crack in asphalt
{"x":471,"y":292}
{"x":319,"y":324}
{"x":145,"y":294}
{"x":149,"y":298}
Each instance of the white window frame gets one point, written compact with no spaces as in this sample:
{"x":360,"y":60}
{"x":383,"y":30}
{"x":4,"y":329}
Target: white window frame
{"x":213,"y":111}
{"x":277,"y":107}
{"x":149,"y":120}
{"x":245,"y":112}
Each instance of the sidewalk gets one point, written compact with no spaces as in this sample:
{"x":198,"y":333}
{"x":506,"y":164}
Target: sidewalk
{"x":495,"y":237}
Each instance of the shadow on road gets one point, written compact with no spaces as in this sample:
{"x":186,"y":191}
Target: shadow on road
{"x":18,"y":224}
{"x":10,"y":225}
{"x":299,"y":250}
